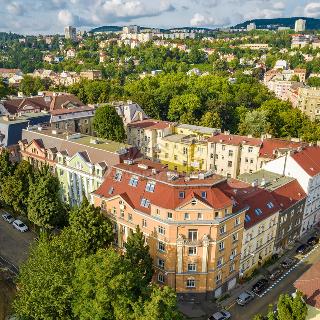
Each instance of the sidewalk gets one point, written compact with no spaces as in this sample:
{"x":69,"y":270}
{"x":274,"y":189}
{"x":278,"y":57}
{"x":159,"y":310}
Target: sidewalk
{"x":264,"y":271}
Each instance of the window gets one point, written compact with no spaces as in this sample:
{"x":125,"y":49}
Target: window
{"x":223,"y":229}
{"x":192,"y":267}
{"x":233,"y":254}
{"x":129,"y":216}
{"x":145,"y":203}
{"x":169,"y":215}
{"x":258,"y":211}
{"x":181,"y":195}
{"x":223,"y":147}
{"x":161,"y":263}
{"x":103,"y":205}
{"x":192,"y":251}
{"x":61,"y":172}
{"x":144,"y":222}
{"x":191,"y":283}
{"x":220,"y":262}
{"x":237,"y":222}
{"x":194,"y":202}
{"x":185,"y":150}
{"x":270,"y":205}
{"x":204,"y":194}
{"x":175,"y":157}
{"x":193,"y":235}
{"x":111,"y":190}
{"x":251,"y":160}
{"x":160,"y":278}
{"x":150,"y":186}
{"x":232,"y":267}
{"x":157,"y":211}
{"x":200,"y":216}
{"x":133,"y":181}
{"x":246,"y":160}
{"x":250,"y":149}
{"x":161,"y":230}
{"x":218,"y":278}
{"x":229,"y":164}
{"x":161,"y":246}
{"x":118,"y":175}
{"x":221,"y":246}
{"x":235,"y":237}
{"x":230,"y":153}
{"x":186,"y":216}
{"x":122,"y":213}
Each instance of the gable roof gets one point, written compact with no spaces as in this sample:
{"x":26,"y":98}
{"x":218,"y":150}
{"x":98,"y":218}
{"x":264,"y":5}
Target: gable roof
{"x":308,"y":159}
{"x":270,"y":145}
{"x":309,"y":285}
{"x":233,"y":139}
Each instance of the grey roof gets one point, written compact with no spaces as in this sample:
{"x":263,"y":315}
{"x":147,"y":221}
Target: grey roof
{"x":200,"y":129}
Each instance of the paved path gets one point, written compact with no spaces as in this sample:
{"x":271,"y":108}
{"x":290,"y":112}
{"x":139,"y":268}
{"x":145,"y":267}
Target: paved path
{"x":14,"y":245}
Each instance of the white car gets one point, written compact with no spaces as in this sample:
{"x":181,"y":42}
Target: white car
{"x":19,"y":225}
{"x":8,"y":217}
{"x":221,"y":315}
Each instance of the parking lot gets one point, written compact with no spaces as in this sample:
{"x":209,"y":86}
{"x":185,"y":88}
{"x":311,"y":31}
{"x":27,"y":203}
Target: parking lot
{"x":14,"y":245}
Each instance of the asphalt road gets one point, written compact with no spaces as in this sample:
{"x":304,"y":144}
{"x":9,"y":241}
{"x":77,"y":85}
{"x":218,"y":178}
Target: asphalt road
{"x":260,"y":305}
{"x":14,"y":245}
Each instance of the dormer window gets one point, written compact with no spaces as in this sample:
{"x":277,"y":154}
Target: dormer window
{"x":150,"y":186}
{"x":270,"y":205}
{"x":203,"y":195}
{"x":118,"y":175}
{"x":181,"y":195}
{"x":111,"y":190}
{"x":145,"y":203}
{"x":133,"y":181}
{"x":258,"y":211}
{"x":247,"y":218}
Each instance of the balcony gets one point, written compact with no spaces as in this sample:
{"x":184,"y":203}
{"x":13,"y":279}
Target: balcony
{"x":188,"y":242}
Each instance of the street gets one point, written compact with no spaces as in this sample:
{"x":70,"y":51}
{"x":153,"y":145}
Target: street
{"x":14,"y":245}
{"x":260,"y":305}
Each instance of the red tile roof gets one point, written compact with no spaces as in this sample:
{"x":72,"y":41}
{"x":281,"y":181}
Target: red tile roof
{"x":244,"y":195}
{"x":309,"y":160}
{"x":309,"y":285}
{"x":234,"y":139}
{"x":150,"y":124}
{"x":289,"y":194}
{"x":269,"y":146}
{"x":166,"y":194}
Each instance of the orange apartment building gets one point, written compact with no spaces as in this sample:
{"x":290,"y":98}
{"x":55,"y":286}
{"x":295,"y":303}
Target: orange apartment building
{"x":191,"y":225}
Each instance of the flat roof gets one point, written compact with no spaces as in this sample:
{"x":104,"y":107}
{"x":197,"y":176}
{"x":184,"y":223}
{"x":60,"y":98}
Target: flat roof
{"x":179,"y":137}
{"x":23,"y":118}
{"x":82,"y":139}
{"x":266,"y":179}
{"x":200,"y":129}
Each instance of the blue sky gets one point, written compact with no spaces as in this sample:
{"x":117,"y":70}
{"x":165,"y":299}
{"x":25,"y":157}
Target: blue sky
{"x":50,"y":16}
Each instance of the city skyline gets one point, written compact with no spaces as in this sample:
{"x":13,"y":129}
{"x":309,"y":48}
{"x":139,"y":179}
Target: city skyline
{"x":33,"y":17}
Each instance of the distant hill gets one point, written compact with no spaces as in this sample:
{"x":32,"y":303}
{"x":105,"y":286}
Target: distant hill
{"x":106,"y":29}
{"x":311,"y":24}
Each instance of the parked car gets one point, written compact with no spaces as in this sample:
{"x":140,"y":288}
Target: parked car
{"x":245,"y":297}
{"x":303,"y":249}
{"x":313,"y":241}
{"x":288,"y":263}
{"x":275,"y":274}
{"x":221,"y":315}
{"x":8,"y":217}
{"x":259,"y":286}
{"x":19,"y":225}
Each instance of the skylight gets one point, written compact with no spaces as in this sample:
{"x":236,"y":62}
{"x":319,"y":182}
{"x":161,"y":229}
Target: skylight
{"x":133,"y":181}
{"x":258,"y":211}
{"x":270,"y":205}
{"x":247,"y":218}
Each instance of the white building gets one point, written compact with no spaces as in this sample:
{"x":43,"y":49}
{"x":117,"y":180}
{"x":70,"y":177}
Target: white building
{"x":304,"y":165}
{"x":70,"y":33}
{"x":300,"y":25}
{"x":251,"y":26}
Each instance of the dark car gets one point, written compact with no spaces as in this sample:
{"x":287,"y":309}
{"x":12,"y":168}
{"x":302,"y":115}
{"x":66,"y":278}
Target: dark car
{"x":259,"y":286}
{"x":288,"y":263}
{"x":303,"y":249}
{"x":313,"y":241}
{"x":275,"y":274}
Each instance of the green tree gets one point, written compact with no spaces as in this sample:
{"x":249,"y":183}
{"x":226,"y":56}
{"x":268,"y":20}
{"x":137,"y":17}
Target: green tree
{"x":255,"y":123}
{"x":220,"y":65}
{"x":257,"y":317}
{"x":6,"y":170}
{"x":15,"y":189}
{"x":138,"y":256}
{"x":185,"y":108}
{"x":31,"y":85}
{"x":108,"y":124}
{"x":313,"y":81}
{"x":44,"y":283}
{"x":45,"y":208}
{"x":94,"y":230}
{"x":211,"y":119}
{"x":290,"y":308}
{"x":295,"y":77}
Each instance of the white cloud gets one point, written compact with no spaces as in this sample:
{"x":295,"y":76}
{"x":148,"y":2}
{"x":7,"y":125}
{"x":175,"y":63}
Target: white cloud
{"x":279,"y":5}
{"x":312,"y":10}
{"x":66,"y":17}
{"x":200,"y":20}
{"x":15,"y":8}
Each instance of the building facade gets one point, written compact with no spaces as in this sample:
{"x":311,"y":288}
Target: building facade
{"x":194,"y":233}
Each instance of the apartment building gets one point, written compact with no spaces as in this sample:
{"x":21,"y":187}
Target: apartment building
{"x":74,"y":119}
{"x":194,"y":231}
{"x":147,"y":135}
{"x":308,"y":101}
{"x":260,"y":223}
{"x":231,"y":155}
{"x":291,"y":198}
{"x":79,"y":161}
{"x":303,"y":165}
